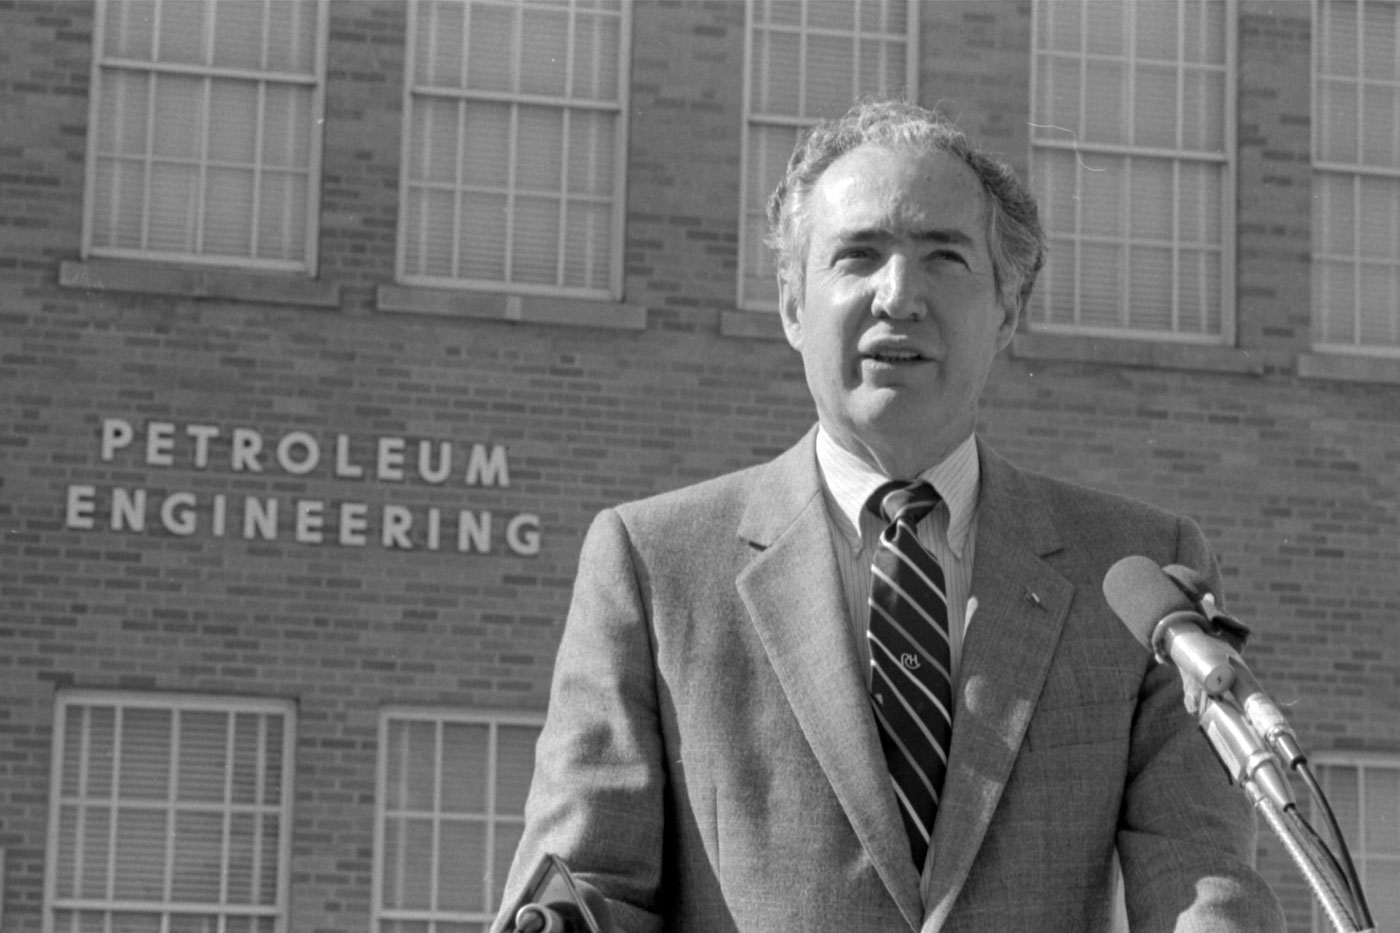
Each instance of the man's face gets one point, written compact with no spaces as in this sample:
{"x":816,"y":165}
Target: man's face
{"x":899,"y":320}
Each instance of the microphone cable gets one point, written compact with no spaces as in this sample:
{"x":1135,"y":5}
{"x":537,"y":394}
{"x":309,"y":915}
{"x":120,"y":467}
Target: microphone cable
{"x":1347,"y":867}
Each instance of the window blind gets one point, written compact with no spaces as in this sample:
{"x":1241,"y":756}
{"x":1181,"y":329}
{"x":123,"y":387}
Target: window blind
{"x":452,"y":789}
{"x":1356,"y":177}
{"x":169,"y":813}
{"x":513,"y":145}
{"x":1132,"y":161}
{"x":808,"y":60}
{"x":204,"y":131}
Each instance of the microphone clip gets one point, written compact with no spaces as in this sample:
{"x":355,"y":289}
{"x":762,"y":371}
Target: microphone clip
{"x":1219,"y":623}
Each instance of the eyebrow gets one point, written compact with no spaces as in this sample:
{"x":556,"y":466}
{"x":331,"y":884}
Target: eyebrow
{"x":953,"y":237}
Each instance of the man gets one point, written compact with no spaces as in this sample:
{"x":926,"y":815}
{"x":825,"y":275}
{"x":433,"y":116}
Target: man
{"x":722,"y":751}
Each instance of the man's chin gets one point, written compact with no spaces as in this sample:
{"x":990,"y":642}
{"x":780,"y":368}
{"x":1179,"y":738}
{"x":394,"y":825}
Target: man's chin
{"x":913,"y":431}
{"x":893,"y":410}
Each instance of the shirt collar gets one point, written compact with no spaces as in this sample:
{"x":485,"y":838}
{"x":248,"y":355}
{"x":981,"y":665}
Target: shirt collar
{"x":849,"y":481}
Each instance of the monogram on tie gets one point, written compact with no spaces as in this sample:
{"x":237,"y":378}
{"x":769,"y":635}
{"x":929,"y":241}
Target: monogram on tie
{"x":910,"y":686}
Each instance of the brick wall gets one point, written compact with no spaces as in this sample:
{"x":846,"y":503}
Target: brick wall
{"x":1295,"y":480}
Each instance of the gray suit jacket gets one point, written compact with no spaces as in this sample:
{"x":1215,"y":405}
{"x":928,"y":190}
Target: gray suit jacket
{"x":709,"y":761}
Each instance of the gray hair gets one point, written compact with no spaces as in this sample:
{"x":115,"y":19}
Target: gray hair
{"x":1014,"y":237}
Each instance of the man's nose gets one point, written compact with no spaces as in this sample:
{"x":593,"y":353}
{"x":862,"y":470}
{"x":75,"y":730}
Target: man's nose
{"x":901,"y":292}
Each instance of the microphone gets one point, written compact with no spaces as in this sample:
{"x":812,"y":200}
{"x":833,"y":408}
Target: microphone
{"x":1236,"y":712}
{"x":554,"y":902}
{"x":556,"y":918}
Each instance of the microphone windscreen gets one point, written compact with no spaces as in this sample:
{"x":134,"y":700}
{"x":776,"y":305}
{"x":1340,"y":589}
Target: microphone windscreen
{"x":1142,"y":595}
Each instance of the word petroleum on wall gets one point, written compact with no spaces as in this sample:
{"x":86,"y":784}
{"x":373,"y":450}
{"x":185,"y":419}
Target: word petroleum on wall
{"x":242,"y":454}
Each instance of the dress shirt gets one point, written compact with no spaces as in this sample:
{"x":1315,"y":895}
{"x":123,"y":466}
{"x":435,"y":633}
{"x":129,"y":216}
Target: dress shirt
{"x":949,"y":532}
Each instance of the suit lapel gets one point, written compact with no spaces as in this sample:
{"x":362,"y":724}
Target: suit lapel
{"x":1021,"y":607}
{"x":792,"y":591}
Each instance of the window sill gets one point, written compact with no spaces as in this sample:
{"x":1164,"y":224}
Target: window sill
{"x":1344,"y":367}
{"x":121,"y":275}
{"x":752,"y":325}
{"x":1142,"y":353}
{"x":521,"y":309}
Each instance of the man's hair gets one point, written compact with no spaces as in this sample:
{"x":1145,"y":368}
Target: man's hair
{"x":1014,"y":237}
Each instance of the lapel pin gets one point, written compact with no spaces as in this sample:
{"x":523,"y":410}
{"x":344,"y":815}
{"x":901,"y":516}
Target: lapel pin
{"x":1033,"y":599}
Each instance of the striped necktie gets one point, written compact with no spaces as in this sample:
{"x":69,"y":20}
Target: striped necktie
{"x":910,"y":686}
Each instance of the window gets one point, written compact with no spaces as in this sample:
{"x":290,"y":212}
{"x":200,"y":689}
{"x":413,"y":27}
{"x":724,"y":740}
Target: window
{"x":1356,"y":177}
{"x":1364,"y":791}
{"x":515,"y":131}
{"x":169,"y":814}
{"x":452,"y":789}
{"x":1132,"y":158}
{"x":204,"y":141}
{"x":808,"y":60}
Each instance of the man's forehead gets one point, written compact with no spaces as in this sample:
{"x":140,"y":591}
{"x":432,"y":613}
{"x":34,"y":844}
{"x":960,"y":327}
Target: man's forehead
{"x":873,"y":191}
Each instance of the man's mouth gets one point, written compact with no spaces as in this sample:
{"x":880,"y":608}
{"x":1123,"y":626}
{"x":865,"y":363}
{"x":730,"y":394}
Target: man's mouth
{"x":894,"y":356}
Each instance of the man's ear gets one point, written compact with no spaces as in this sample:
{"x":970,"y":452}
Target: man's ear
{"x":1011,"y":318}
{"x":790,"y":308}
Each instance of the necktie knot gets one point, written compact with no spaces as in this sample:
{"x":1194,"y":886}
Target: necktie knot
{"x":907,"y":501}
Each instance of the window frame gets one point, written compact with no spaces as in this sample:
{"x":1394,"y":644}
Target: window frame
{"x":751,"y":119}
{"x":317,"y":83}
{"x":1352,"y":174}
{"x":1361,"y":761}
{"x":176,"y":703}
{"x":1039,"y":305}
{"x":438,"y":717}
{"x":617,"y":231}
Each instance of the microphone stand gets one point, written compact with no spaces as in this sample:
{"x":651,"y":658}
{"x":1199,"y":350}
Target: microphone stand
{"x":1256,"y":763}
{"x":1320,"y":870}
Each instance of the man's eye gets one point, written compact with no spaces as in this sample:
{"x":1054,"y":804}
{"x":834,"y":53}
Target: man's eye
{"x":948,"y":255}
{"x":859,"y":254}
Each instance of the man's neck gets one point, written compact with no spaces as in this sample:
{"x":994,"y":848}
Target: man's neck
{"x":890,"y":463}
{"x":849,"y":480}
